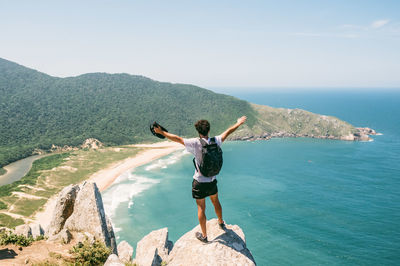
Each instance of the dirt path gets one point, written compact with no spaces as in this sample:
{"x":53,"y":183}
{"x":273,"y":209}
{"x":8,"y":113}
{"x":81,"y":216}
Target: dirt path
{"x":37,"y":252}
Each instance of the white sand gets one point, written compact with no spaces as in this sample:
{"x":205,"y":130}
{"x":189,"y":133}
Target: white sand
{"x":105,"y":177}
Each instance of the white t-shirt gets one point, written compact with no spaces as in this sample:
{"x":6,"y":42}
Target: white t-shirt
{"x":194,"y":147}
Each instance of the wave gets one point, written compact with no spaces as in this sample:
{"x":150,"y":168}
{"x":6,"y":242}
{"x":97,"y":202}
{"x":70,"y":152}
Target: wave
{"x":126,"y":186}
{"x":163,"y":163}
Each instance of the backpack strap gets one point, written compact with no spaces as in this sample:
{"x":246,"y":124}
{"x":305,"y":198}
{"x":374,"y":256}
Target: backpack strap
{"x":195,"y":165}
{"x":203,"y":142}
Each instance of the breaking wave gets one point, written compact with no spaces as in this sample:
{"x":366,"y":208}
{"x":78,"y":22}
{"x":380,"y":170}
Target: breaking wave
{"x":163,"y":163}
{"x":124,"y":189}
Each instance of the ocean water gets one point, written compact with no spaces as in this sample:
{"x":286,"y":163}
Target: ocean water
{"x":299,"y":201}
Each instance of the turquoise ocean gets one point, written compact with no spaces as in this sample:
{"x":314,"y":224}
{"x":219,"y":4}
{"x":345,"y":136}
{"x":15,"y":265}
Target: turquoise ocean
{"x":299,"y":201}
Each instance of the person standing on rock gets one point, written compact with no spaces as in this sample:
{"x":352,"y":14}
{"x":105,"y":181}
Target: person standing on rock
{"x":203,"y":186}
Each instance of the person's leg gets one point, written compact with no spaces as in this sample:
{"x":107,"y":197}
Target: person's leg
{"x":201,"y":213}
{"x":217,"y":207}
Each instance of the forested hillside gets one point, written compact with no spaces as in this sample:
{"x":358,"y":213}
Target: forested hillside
{"x":38,"y":110}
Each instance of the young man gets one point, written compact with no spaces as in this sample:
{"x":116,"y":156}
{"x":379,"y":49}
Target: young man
{"x":202,"y":186}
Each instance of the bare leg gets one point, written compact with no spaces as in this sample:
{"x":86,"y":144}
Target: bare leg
{"x":201,"y":213}
{"x":217,"y":207}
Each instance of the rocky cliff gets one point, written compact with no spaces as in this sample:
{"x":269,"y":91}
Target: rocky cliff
{"x":225,"y":247}
{"x":80,"y":209}
{"x":79,"y":215}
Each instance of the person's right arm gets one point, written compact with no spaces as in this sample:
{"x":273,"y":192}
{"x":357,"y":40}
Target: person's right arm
{"x":169,"y":136}
{"x":230,"y":130}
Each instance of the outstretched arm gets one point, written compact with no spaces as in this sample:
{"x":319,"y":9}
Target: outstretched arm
{"x":230,"y":130}
{"x":168,"y":135}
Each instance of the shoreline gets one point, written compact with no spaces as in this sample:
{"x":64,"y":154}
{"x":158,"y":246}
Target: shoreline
{"x":104,"y":178}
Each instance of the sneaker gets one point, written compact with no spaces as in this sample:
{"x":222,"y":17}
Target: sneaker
{"x":200,"y":237}
{"x":222,"y":226}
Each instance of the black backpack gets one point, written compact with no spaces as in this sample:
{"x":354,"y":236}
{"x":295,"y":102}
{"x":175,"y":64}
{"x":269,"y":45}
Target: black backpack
{"x":212,"y":158}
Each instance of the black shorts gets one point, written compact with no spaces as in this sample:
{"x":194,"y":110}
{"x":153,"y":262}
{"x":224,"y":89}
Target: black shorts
{"x":202,"y":190}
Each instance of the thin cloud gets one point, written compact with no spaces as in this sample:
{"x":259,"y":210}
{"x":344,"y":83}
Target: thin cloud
{"x":352,"y":31}
{"x":352,"y":27}
{"x":379,"y":23}
{"x":332,"y":35}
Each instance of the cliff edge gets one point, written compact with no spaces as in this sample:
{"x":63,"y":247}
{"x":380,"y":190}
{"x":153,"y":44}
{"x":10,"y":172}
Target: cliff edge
{"x":79,"y":215}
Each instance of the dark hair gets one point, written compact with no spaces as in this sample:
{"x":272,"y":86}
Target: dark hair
{"x":203,"y":127}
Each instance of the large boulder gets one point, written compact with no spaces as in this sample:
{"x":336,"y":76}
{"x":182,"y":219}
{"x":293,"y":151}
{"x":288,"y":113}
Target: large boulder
{"x":125,"y":251}
{"x":113,"y":260}
{"x":64,"y":236}
{"x":88,"y":216}
{"x":63,"y":210}
{"x":225,"y":247}
{"x":24,"y":230}
{"x":37,"y":230}
{"x":153,"y":248}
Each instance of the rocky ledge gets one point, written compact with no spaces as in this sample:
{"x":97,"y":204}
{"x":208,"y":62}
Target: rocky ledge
{"x":225,"y":247}
{"x":79,"y":215}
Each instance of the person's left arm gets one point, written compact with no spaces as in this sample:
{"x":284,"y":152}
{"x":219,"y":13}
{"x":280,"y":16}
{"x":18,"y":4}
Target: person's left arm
{"x":168,"y":135}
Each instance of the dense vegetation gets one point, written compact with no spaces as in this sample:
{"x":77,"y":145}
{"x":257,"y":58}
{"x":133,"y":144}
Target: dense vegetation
{"x":7,"y":238}
{"x":87,"y":253}
{"x":37,"y":110}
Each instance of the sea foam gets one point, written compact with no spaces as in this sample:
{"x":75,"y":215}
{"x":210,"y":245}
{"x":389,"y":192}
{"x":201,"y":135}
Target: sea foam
{"x":128,"y":185}
{"x":124,"y":189}
{"x":163,"y":163}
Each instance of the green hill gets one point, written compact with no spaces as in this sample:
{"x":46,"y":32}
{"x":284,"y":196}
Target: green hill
{"x":38,"y":110}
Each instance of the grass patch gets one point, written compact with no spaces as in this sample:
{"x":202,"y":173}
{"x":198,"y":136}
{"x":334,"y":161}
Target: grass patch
{"x":51,"y":174}
{"x":3,"y":205}
{"x":2,"y":171}
{"x":47,"y":193}
{"x":10,"y":200}
{"x":27,"y":207}
{"x":8,"y":221}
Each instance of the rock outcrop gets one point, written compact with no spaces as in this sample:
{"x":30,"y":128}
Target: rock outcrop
{"x":64,"y":236}
{"x":113,"y":260}
{"x":91,"y":143}
{"x":225,"y":247}
{"x":63,"y":210}
{"x":24,"y":230}
{"x":153,"y":248}
{"x":36,"y":230}
{"x":125,"y":251}
{"x":80,"y":209}
{"x":89,"y":216}
{"x":27,"y":230}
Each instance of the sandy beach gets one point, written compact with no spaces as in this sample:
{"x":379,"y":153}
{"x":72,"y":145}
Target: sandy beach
{"x":105,"y":177}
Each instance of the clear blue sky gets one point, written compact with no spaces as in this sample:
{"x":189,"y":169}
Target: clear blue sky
{"x":266,"y":44}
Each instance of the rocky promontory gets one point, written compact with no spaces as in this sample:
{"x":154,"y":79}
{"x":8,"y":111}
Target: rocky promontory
{"x":298,"y":123}
{"x":79,"y":216}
